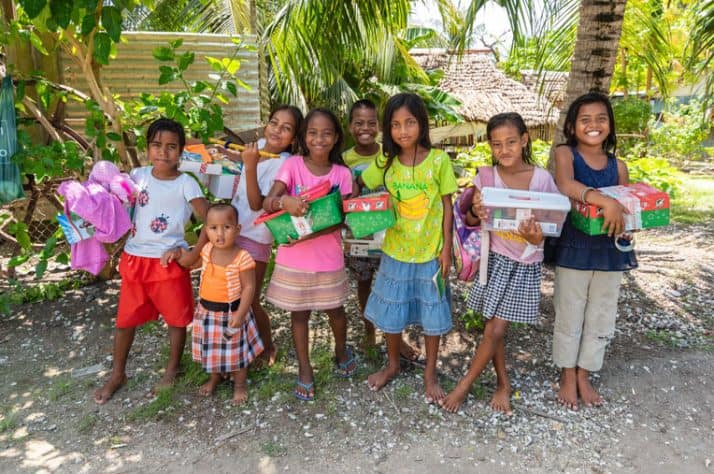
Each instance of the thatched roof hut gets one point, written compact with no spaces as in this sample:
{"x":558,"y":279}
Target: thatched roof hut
{"x":549,"y":84}
{"x":483,"y":91}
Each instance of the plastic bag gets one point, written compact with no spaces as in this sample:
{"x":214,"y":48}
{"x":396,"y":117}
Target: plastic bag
{"x":10,"y":179}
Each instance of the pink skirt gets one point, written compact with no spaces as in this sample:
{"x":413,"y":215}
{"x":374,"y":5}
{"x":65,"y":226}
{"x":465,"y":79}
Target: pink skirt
{"x":298,"y":290}
{"x":260,"y":252}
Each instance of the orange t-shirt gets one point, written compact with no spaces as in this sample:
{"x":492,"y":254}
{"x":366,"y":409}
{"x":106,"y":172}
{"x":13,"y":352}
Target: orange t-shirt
{"x":222,"y":283}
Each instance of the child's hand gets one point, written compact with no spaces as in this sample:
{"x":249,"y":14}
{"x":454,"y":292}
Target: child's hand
{"x":614,"y":221}
{"x":477,"y":206}
{"x":530,"y":230}
{"x":237,"y":321}
{"x":295,"y":206}
{"x":233,"y":155}
{"x":250,"y":156}
{"x":169,"y":256}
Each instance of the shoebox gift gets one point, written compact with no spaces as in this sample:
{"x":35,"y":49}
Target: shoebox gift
{"x":507,"y":208}
{"x":648,"y":207}
{"x":325,"y":211}
{"x":197,"y":160}
{"x":369,"y":247}
{"x":368,"y":214}
{"x":76,"y":228}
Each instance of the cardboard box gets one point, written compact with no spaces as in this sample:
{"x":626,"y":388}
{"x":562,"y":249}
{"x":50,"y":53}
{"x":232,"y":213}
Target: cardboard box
{"x":648,"y":208}
{"x":367,"y":223}
{"x":224,"y":186}
{"x":508,"y":207}
{"x":74,"y":228}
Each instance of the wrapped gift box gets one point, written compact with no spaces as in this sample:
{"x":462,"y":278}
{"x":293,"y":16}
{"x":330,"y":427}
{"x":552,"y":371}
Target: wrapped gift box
{"x":325,"y":211}
{"x":508,"y":207}
{"x":649,"y":207}
{"x":223,"y":186}
{"x":371,"y":247}
{"x":367,"y":223}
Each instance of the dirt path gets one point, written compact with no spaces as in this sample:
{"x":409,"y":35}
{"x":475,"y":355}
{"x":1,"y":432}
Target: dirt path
{"x":657,"y":378}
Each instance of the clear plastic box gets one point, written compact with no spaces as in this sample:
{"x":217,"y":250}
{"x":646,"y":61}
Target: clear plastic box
{"x":508,"y":207}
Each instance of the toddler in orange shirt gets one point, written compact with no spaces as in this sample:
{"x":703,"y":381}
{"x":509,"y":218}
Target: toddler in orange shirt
{"x":225,"y":336}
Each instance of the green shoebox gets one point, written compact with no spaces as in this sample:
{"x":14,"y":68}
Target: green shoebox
{"x":593,"y":226}
{"x":323,"y":213}
{"x":363,"y":224}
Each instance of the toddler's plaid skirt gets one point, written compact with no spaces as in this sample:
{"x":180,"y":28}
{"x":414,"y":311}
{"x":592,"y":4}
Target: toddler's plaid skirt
{"x":215,"y":351}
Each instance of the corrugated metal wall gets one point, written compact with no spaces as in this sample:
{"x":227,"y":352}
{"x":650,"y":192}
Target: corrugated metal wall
{"x":134,"y":71}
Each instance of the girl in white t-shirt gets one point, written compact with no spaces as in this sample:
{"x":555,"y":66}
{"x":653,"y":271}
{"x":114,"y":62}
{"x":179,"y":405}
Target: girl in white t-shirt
{"x":258,"y":175}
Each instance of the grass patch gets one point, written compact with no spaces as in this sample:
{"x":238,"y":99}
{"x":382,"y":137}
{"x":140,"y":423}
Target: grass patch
{"x":86,"y":423}
{"x":136,"y":380}
{"x":271,"y":380}
{"x":695,"y":203}
{"x":403,"y":392}
{"x":60,"y":388}
{"x":152,"y":327}
{"x":8,"y":421}
{"x":272,"y":449}
{"x":664,"y":338}
{"x":162,"y":404}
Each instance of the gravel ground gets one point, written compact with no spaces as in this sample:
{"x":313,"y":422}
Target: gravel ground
{"x":658,"y":416}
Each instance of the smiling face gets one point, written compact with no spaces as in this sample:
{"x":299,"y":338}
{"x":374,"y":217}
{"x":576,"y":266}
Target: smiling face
{"x":163,"y":152}
{"x":592,"y":125}
{"x":221,"y":227}
{"x":320,"y":137}
{"x":280,"y":131}
{"x":507,"y":145}
{"x":404,"y":128}
{"x":364,"y":126}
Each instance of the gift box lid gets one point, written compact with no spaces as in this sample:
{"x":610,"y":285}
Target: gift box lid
{"x":649,"y":198}
{"x":367,"y":203}
{"x":514,"y":198}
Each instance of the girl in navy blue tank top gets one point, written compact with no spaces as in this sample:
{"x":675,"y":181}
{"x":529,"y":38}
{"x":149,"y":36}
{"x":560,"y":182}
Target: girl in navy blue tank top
{"x":589,"y":269}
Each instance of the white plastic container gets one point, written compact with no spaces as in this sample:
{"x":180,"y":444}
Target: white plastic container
{"x":508,"y":207}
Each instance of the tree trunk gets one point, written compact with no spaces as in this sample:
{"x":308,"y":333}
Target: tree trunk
{"x":594,"y":56}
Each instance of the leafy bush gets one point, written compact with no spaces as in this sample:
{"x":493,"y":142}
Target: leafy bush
{"x":657,"y":172}
{"x":679,"y":136}
{"x":631,"y":115}
{"x":467,"y":161}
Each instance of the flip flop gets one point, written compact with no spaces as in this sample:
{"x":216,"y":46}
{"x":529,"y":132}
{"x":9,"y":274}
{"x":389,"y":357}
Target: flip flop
{"x":342,"y":369}
{"x":309,"y":388}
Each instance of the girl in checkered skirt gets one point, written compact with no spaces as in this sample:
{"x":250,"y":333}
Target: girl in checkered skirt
{"x":512,"y":291}
{"x":225,"y":336}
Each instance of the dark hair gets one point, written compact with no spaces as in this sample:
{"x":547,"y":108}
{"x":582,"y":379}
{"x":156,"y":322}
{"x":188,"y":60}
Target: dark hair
{"x":221,"y":206}
{"x":297,"y":116}
{"x":335,"y":156}
{"x":164,"y":124}
{"x":516,"y":121}
{"x":361,"y":104}
{"x":610,"y":143}
{"x":416,"y":107}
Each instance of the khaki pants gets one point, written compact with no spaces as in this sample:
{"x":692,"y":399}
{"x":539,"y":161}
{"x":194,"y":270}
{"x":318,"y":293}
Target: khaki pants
{"x":585,"y":311}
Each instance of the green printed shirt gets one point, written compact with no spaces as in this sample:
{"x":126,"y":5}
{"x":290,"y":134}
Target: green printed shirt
{"x":416,"y":193}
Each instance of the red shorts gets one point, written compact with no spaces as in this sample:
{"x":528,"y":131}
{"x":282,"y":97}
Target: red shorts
{"x":148,"y":289}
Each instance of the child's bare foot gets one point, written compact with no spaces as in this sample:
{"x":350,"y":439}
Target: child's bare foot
{"x":452,"y":402}
{"x":407,"y":351}
{"x":266,"y":358}
{"x":240,"y":393}
{"x":433,"y":391}
{"x":379,"y":379}
{"x":501,"y":400}
{"x":209,"y":388}
{"x":588,"y":394}
{"x":568,"y":393}
{"x":104,"y":394}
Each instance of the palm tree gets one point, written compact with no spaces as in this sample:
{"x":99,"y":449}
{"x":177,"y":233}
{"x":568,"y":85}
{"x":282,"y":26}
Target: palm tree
{"x":595,"y":52}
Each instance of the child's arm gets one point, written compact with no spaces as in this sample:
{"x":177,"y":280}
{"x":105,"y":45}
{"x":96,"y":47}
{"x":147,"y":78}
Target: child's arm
{"x":190,"y":258}
{"x":623,"y":175}
{"x":447,"y":229}
{"x":614,"y":222}
{"x":278,"y":199}
{"x":250,"y":172}
{"x":247,"y":285}
{"x":200,"y":207}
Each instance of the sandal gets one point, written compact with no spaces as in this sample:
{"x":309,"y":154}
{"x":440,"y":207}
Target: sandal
{"x":343,"y":369}
{"x":308,"y":388}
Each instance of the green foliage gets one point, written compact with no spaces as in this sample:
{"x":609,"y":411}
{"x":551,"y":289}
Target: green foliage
{"x":695,"y":203}
{"x":49,"y":161}
{"x":656,"y":172}
{"x":198,"y":107}
{"x":679,"y":136}
{"x":473,"y":321}
{"x":18,"y":293}
{"x":631,"y":115}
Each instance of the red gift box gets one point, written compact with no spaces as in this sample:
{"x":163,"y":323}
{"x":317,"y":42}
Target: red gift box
{"x":367,"y":203}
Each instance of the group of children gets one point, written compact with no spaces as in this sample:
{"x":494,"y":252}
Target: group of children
{"x":230,"y":327}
